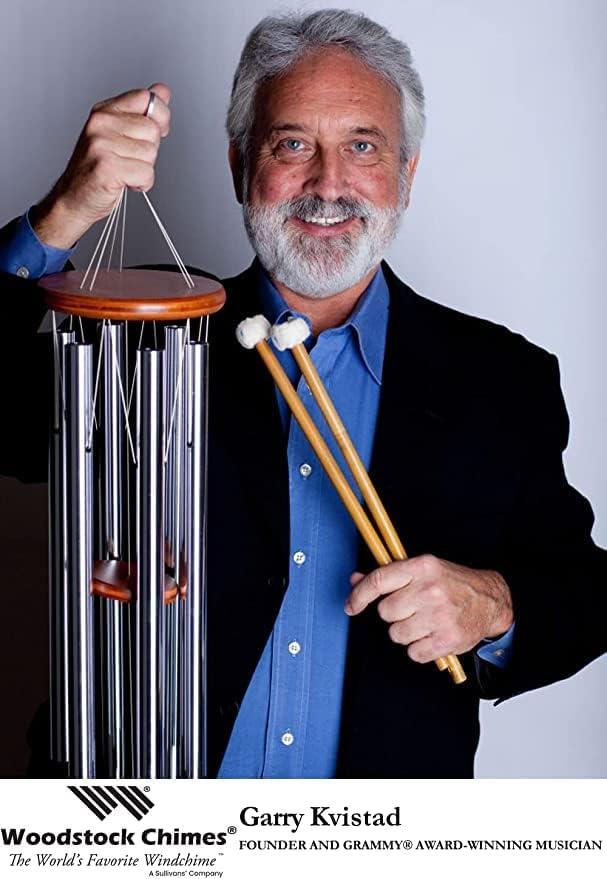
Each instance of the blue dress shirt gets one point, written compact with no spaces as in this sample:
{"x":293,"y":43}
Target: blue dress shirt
{"x":288,"y":723}
{"x":25,"y":255}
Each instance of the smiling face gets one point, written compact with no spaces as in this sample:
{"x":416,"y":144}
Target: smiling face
{"x":326,"y":184}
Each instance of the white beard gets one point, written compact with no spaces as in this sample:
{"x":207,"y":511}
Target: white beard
{"x":320,"y":267}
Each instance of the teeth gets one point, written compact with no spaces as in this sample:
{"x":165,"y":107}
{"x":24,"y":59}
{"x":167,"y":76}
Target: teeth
{"x":325,"y":221}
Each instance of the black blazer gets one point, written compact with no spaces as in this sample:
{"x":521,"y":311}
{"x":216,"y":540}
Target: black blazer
{"x":467,"y":458}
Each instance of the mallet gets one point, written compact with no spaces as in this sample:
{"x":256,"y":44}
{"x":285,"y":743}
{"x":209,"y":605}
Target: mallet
{"x":253,"y":333}
{"x":291,"y":335}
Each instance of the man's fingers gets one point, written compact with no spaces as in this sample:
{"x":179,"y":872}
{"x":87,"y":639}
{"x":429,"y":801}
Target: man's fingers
{"x":126,"y":124}
{"x":399,"y":605}
{"x":161,"y":113}
{"x":379,"y":582}
{"x":162,"y":90}
{"x":135,"y":174}
{"x":133,"y":101}
{"x":137,"y":101}
{"x":427,"y":649}
{"x":127,"y":148}
{"x":407,"y":631}
{"x":432,"y":606}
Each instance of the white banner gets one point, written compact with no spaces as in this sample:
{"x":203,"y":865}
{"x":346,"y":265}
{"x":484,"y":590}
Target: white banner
{"x":237,"y":829}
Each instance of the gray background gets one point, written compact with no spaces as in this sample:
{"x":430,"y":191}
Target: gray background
{"x":508,"y":221}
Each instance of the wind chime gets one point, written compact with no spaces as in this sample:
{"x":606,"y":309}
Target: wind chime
{"x":128,"y":478}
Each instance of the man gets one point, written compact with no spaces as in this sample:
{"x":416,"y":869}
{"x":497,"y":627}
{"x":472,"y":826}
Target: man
{"x":316,"y":669}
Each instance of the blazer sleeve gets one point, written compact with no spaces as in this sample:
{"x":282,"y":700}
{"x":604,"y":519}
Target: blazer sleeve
{"x":556,"y":573}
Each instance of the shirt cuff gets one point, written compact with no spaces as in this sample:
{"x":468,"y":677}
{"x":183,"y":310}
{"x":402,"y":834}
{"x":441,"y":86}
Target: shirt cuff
{"x":26,"y":256}
{"x":498,"y":652}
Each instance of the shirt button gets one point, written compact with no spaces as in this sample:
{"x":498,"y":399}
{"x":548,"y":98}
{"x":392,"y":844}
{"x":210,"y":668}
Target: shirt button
{"x":23,"y":272}
{"x":294,"y":648}
{"x":305,"y":470}
{"x":299,"y":557}
{"x":499,"y":652}
{"x":287,"y":739}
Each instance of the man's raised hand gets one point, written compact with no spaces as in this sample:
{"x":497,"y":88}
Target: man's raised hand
{"x":117,"y":147}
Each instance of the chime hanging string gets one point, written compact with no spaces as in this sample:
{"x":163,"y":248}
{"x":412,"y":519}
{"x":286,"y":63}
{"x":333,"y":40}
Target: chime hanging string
{"x":96,"y":390}
{"x":134,"y":372}
{"x":167,"y":238}
{"x":58,"y":365}
{"x":123,"y":399}
{"x":118,"y":217}
{"x":116,"y":370}
{"x":186,"y":339}
{"x":115,"y":225}
{"x":204,"y":320}
{"x":102,"y":244}
{"x":128,"y":469}
{"x":59,"y":369}
{"x":122,"y":233}
{"x":119,"y":220}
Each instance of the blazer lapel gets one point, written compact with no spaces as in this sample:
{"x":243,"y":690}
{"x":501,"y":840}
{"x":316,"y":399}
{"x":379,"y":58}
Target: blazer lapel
{"x":245,"y":405}
{"x":413,"y":416}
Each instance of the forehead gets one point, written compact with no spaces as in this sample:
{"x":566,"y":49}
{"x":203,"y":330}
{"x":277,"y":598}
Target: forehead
{"x":331,"y":87}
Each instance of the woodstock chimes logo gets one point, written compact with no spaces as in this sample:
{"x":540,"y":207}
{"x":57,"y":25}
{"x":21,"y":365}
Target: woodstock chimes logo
{"x":101,"y":800}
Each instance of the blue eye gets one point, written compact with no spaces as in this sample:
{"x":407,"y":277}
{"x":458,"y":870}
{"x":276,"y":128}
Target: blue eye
{"x":362,"y":146}
{"x":293,"y":144}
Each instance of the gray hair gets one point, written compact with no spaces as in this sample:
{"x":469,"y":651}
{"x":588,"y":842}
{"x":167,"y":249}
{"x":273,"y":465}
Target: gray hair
{"x":278,"y":42}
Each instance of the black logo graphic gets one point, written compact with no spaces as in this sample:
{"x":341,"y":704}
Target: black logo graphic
{"x":103,"y":800}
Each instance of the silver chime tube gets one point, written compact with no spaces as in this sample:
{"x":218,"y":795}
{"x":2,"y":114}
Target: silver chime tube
{"x":193,"y":668}
{"x":79,"y":468}
{"x":58,"y":618}
{"x":175,"y":337}
{"x":113,"y":435}
{"x":150,"y":739}
{"x":112,"y":652}
{"x":175,"y":385}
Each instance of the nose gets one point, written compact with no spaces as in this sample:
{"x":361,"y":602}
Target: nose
{"x":327,"y":176}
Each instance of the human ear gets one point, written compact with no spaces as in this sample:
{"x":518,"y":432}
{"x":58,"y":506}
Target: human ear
{"x":411,"y":166}
{"x":234,"y":159}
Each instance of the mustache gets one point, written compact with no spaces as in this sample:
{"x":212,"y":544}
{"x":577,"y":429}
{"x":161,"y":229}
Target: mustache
{"x":309,"y":207}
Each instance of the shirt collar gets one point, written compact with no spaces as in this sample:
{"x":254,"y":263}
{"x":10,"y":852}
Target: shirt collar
{"x":368,"y":320}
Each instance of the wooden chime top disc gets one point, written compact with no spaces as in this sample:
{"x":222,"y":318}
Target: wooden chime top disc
{"x":133,"y":294}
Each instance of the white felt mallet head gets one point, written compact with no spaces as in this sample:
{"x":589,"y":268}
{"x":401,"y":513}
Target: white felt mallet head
{"x":290,"y":333}
{"x":253,"y":330}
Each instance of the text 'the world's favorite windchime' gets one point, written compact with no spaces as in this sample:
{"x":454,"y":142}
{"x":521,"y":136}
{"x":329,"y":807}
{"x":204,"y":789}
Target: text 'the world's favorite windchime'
{"x":128,"y":474}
